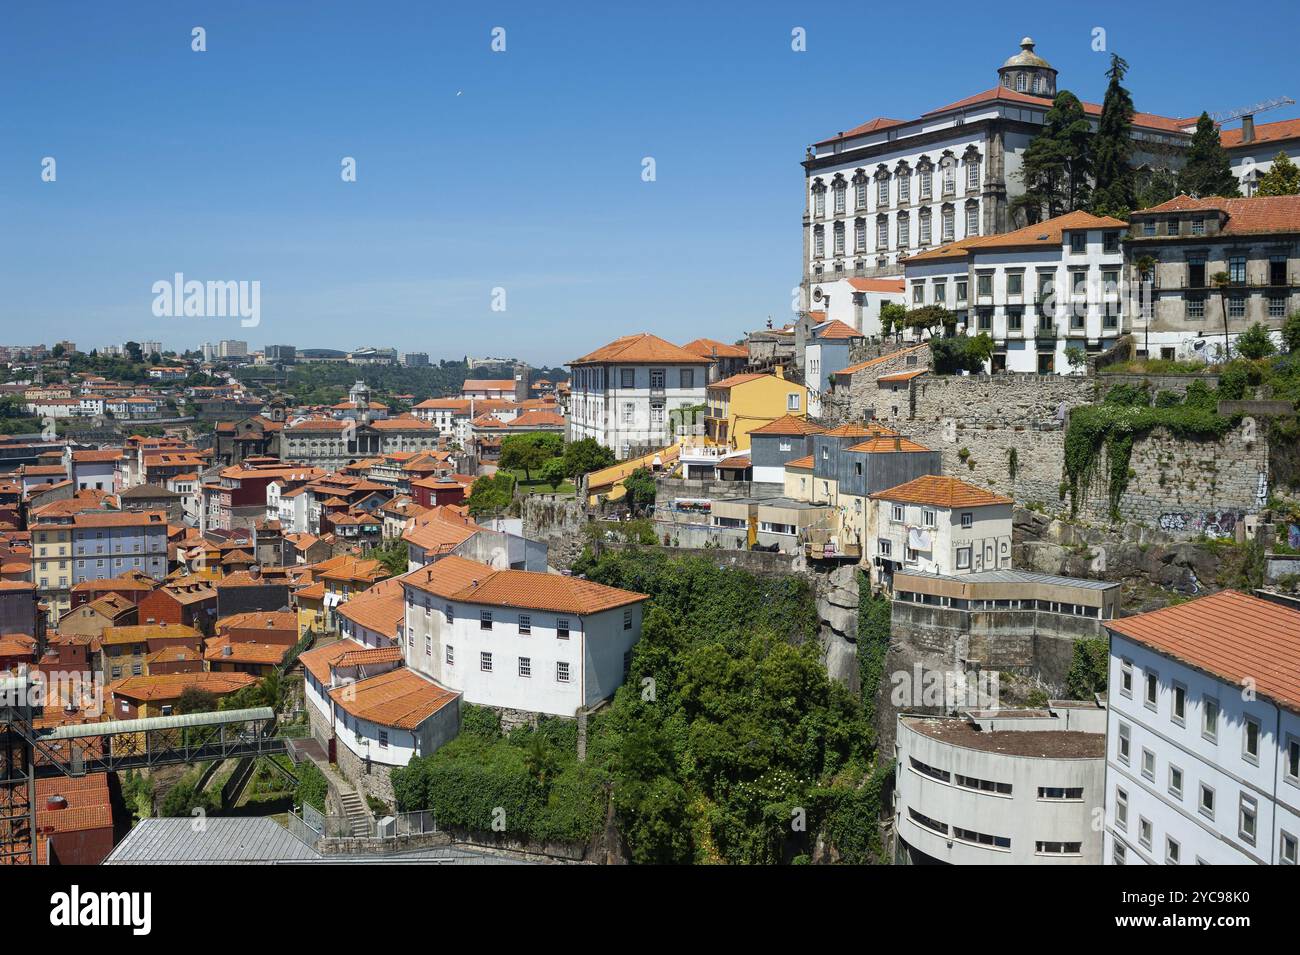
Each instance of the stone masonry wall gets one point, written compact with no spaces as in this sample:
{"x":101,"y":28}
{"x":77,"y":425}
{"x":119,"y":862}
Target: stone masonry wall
{"x":558,"y":521}
{"x":1187,"y":487}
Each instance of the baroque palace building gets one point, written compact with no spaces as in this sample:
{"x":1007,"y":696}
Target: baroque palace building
{"x":890,"y":188}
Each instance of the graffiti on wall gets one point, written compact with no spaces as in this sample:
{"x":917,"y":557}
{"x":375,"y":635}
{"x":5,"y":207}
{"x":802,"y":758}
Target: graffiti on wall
{"x":1209,"y":523}
{"x":1293,"y":537}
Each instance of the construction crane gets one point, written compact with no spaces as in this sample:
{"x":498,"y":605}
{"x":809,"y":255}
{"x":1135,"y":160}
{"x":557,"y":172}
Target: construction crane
{"x":1229,"y":115}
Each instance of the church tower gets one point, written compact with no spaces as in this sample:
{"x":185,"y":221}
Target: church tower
{"x":1027,"y":72}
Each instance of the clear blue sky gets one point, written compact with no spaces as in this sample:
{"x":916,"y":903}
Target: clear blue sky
{"x":225,"y":165}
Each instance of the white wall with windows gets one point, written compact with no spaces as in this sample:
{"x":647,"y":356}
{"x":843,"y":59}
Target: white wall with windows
{"x":1196,"y":772}
{"x":627,"y":407}
{"x":521,"y":659}
{"x":1009,"y":805}
{"x":1034,"y":303}
{"x":929,"y":539}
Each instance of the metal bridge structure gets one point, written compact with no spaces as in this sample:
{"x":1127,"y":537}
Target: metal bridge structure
{"x":29,"y":753}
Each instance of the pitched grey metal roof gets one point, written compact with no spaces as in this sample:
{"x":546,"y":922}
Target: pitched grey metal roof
{"x":217,"y":841}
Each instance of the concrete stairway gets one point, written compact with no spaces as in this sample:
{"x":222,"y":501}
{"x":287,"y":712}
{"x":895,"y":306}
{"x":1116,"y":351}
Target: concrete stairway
{"x":354,"y":807}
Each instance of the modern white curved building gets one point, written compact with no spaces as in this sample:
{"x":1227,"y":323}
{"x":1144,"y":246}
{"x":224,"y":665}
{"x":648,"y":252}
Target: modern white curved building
{"x":1000,"y":787}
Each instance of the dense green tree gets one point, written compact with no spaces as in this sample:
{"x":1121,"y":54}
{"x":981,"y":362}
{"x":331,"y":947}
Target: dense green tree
{"x":553,"y":473}
{"x":184,"y":798}
{"x":1087,"y":673}
{"x":528,"y":452}
{"x":491,"y":495}
{"x":929,"y":319}
{"x":584,"y":456}
{"x":393,"y":554}
{"x":961,"y":353}
{"x":1208,"y":171}
{"x":1057,"y":164}
{"x":1282,"y":178}
{"x":1255,"y":342}
{"x":1154,"y":187}
{"x":1291,"y":333}
{"x":892,"y":318}
{"x":1113,"y":191}
{"x":641,"y":488}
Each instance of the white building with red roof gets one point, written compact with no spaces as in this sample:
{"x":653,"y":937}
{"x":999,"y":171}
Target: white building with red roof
{"x":888,"y":188}
{"x":623,"y":393}
{"x":1203,"y":734}
{"x":519,"y":640}
{"x":1037,"y":292}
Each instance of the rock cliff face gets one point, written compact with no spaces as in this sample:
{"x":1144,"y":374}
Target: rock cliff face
{"x":1140,"y":557}
{"x":837,"y":610}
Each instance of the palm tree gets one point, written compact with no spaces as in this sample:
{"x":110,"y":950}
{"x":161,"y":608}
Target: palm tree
{"x":1221,"y":281}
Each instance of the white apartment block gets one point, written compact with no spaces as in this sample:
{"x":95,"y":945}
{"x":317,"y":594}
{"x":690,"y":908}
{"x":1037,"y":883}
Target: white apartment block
{"x":1203,"y":734}
{"x":1000,"y":787}
{"x":940,"y":525}
{"x":623,"y":393}
{"x":519,"y":640}
{"x":1037,"y":291}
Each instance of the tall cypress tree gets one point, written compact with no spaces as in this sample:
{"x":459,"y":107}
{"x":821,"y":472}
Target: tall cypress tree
{"x":1112,"y":146}
{"x":1058,"y":162}
{"x":1208,"y":171}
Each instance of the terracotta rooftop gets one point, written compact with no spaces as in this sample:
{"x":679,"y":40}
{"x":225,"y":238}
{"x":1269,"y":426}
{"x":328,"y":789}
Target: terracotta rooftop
{"x":1264,"y":133}
{"x":710,"y":348}
{"x":801,"y":464}
{"x":641,"y":348}
{"x":901,"y":376}
{"x":789,"y":425}
{"x":887,"y":286}
{"x":880,"y":360}
{"x":1259,"y":214}
{"x":455,"y":578}
{"x":1046,"y":234}
{"x":856,"y":429}
{"x":371,"y":655}
{"x":398,"y":698}
{"x":835,"y":330}
{"x":887,"y":444}
{"x":1231,"y":635}
{"x":169,"y":686}
{"x":318,"y":660}
{"x":726,"y":384}
{"x":940,"y":491}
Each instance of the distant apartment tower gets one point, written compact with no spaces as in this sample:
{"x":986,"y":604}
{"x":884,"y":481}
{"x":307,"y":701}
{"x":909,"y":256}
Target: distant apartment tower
{"x":226,"y":348}
{"x":1203,"y":734}
{"x":287,"y":354}
{"x":415,"y":359}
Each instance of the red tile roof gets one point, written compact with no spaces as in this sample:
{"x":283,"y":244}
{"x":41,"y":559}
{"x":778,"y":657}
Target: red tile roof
{"x":399,"y":698}
{"x":801,"y":464}
{"x":1264,"y":133}
{"x":710,"y":348}
{"x":638,"y":349}
{"x":888,"y":286}
{"x":886,"y":444}
{"x":1259,"y":214}
{"x":789,"y":425}
{"x":871,"y":126}
{"x":455,"y":578}
{"x":940,"y":491}
{"x":871,"y":362}
{"x":835,"y":329}
{"x":1045,"y":234}
{"x":1231,"y":635}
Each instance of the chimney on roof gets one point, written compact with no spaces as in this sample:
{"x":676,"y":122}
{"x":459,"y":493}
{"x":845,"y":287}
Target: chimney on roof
{"x":1248,"y":128}
{"x":56,"y":802}
{"x":898,"y":442}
